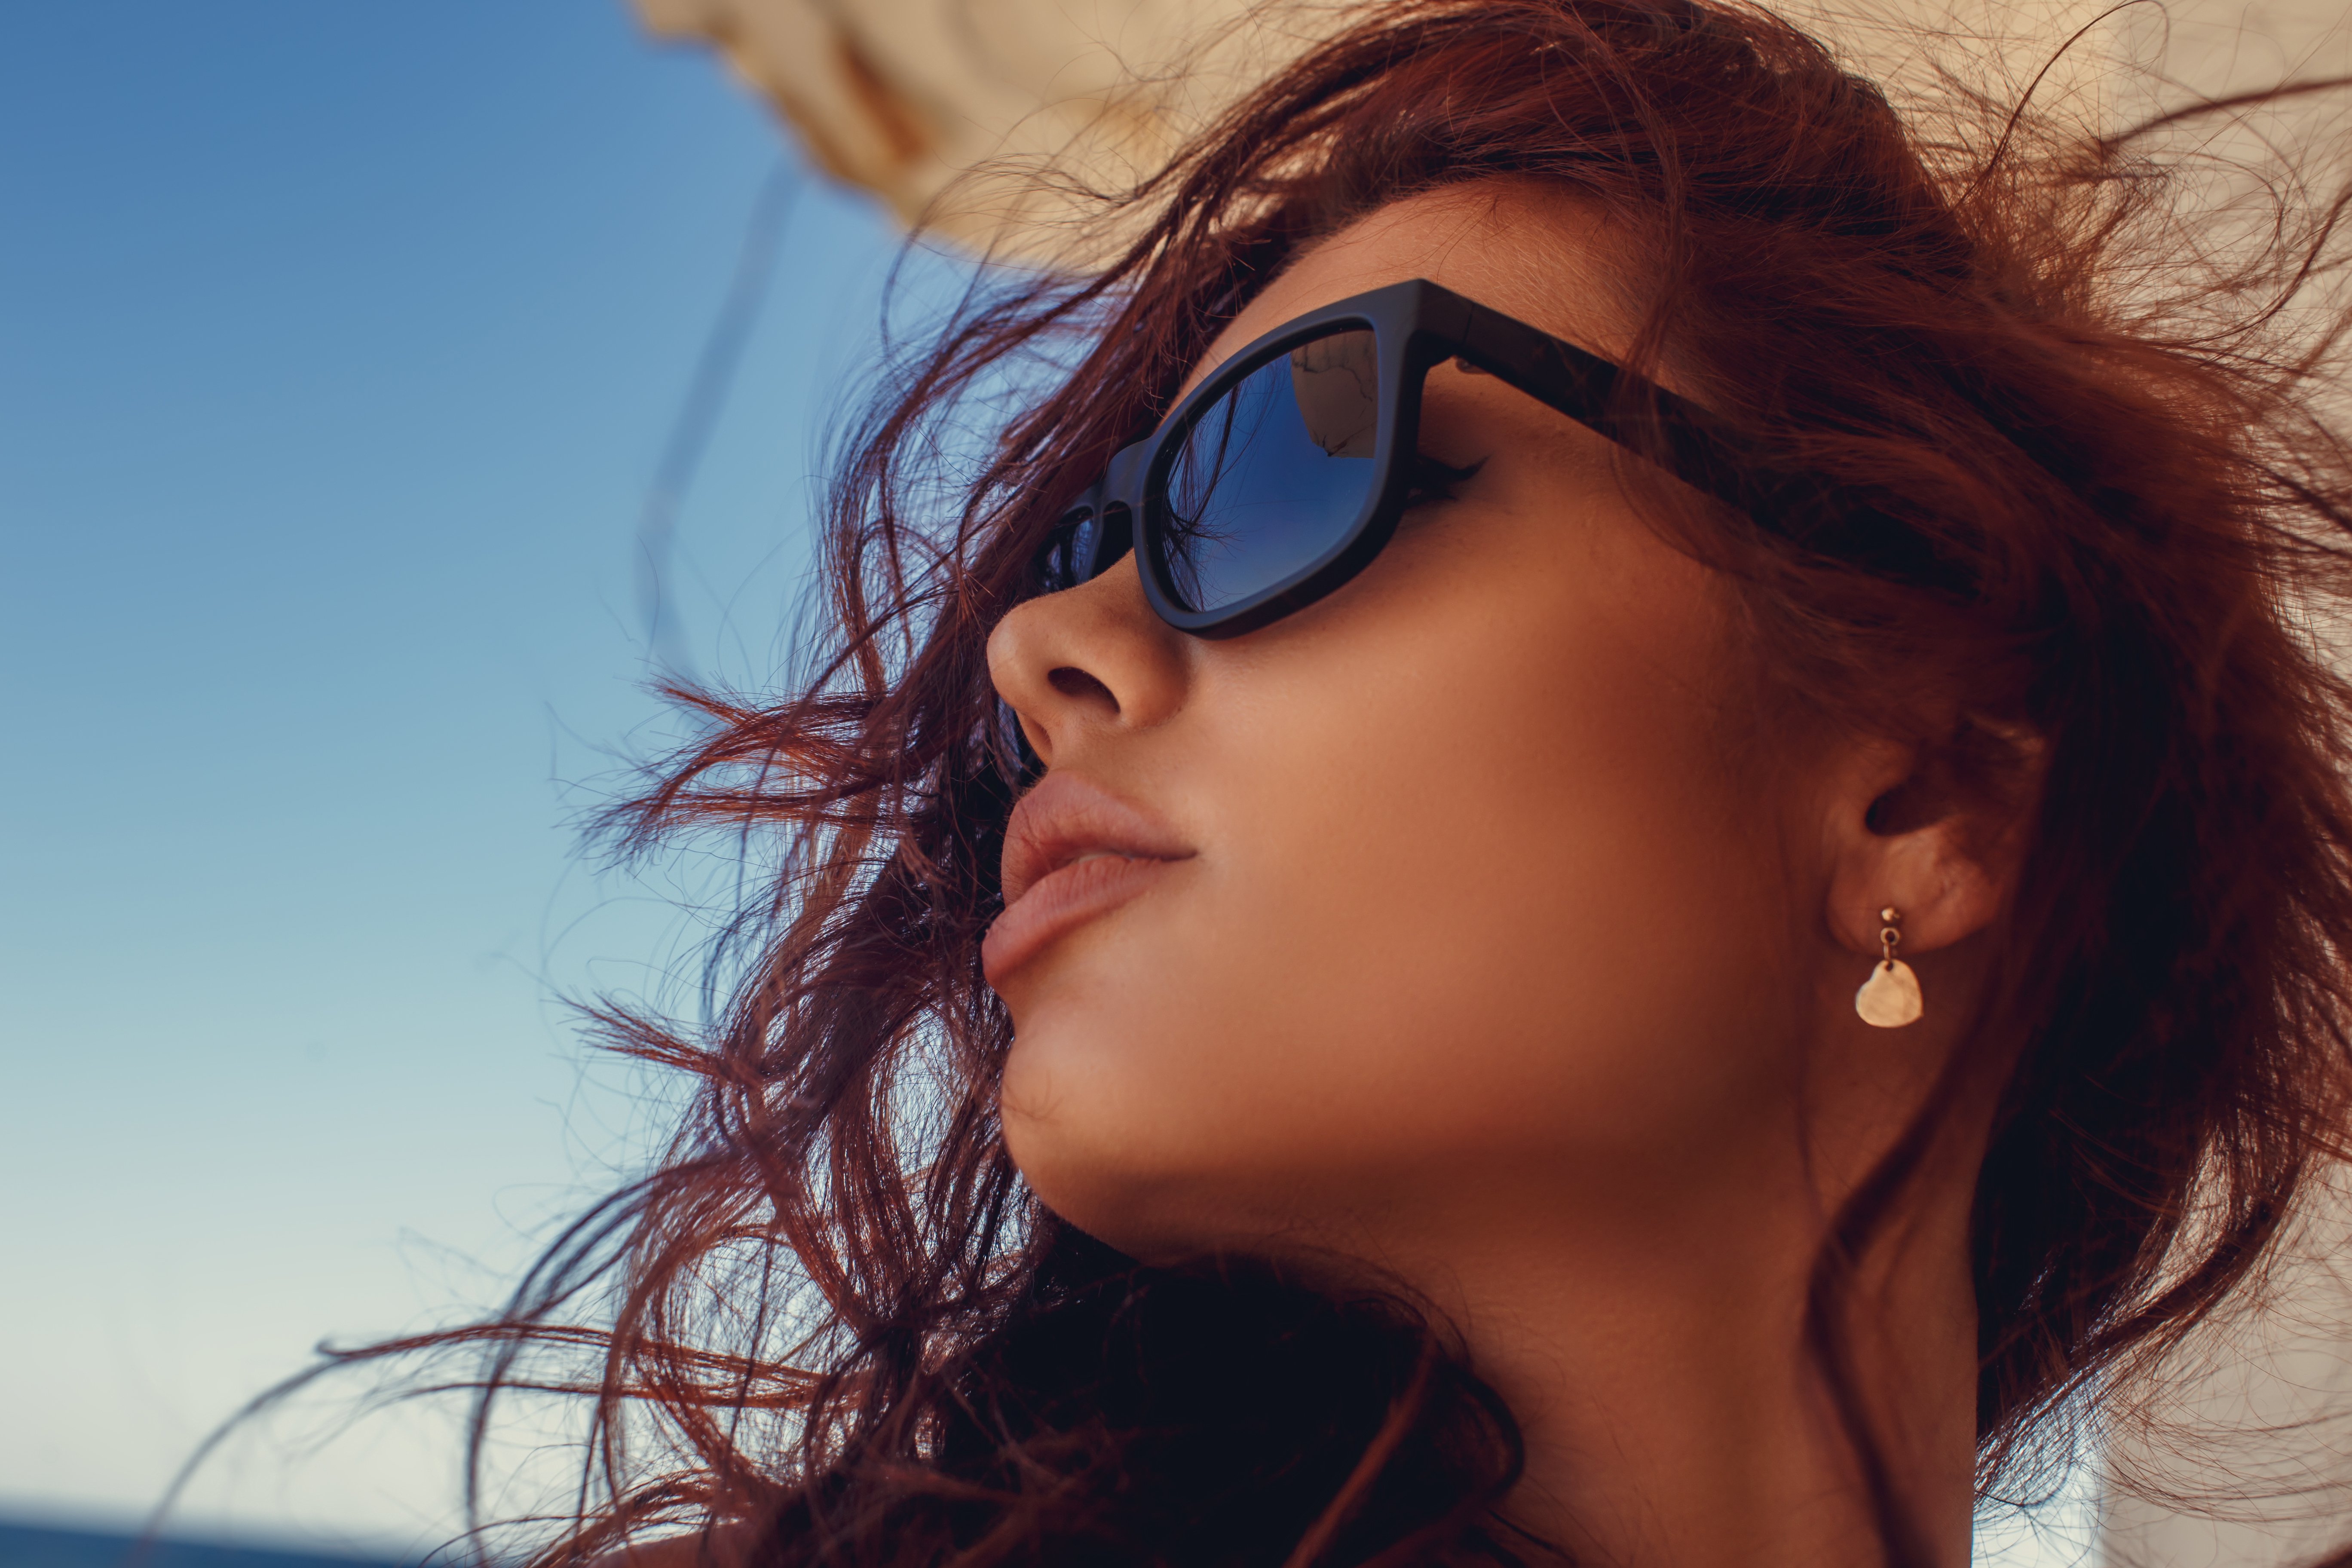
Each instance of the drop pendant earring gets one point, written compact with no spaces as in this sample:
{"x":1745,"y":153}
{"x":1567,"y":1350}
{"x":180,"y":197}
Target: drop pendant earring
{"x":1890,"y":998}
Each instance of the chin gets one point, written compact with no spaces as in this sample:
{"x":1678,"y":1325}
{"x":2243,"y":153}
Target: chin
{"x":1093,"y":1184}
{"x":1128,"y":1192}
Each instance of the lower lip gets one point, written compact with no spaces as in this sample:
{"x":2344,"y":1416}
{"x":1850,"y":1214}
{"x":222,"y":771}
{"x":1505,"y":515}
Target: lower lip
{"x":1059,"y":903}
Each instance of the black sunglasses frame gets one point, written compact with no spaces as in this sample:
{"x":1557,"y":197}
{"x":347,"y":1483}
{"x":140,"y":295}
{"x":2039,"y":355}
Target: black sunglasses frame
{"x":1416,"y":326}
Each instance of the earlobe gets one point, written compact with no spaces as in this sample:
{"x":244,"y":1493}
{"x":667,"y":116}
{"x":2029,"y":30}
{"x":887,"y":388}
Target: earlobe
{"x":1937,"y":839}
{"x":1931,"y":899}
{"x":1943,"y":892}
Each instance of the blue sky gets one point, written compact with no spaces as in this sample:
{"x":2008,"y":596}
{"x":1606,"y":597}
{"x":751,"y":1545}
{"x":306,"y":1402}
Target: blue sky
{"x":337,"y":347}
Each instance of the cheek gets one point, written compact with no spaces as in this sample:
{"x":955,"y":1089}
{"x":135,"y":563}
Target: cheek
{"x":1478,"y":896}
{"x":1525,"y":914}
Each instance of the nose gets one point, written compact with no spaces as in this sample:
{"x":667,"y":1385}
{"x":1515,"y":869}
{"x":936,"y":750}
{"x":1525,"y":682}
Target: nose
{"x":1089,"y":662}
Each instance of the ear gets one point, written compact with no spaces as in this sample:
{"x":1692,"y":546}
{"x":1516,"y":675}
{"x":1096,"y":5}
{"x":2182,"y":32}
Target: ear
{"x":1935,"y":830}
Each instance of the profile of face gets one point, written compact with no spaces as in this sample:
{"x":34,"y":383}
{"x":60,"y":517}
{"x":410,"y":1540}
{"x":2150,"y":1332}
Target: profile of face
{"x":1479,"y":890}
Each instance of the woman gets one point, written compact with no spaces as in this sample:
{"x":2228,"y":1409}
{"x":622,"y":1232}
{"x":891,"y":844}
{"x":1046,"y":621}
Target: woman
{"x":1614,"y":827}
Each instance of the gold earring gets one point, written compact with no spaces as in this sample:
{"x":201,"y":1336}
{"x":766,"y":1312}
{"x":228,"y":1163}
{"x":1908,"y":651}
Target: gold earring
{"x":1890,"y":998}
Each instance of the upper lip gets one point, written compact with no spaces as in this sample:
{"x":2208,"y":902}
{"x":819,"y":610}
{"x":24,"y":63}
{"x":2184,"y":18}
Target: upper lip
{"x":1065,"y":819}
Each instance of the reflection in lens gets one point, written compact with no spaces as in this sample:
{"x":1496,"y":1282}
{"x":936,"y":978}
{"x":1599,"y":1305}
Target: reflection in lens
{"x":1274,"y":474}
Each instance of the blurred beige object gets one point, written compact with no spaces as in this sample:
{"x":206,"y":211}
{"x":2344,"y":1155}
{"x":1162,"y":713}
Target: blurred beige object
{"x":968,"y":115}
{"x":2238,"y":1452}
{"x":983,"y":119}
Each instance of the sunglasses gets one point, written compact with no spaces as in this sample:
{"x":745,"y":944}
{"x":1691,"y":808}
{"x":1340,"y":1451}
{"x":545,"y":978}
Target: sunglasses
{"x":1283,"y":475}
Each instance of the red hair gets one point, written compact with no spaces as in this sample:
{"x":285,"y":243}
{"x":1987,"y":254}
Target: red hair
{"x":2103,"y":523}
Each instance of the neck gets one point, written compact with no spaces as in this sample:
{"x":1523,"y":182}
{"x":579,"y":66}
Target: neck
{"x":1674,"y":1415}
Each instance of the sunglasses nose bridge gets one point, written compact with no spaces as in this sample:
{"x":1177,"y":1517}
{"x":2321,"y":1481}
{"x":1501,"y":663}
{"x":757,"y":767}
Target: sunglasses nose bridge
{"x":1115,"y":501}
{"x":1114,"y":537}
{"x":1122,"y":480}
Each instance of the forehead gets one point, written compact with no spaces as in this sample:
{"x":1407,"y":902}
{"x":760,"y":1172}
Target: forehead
{"x":1528,"y":250}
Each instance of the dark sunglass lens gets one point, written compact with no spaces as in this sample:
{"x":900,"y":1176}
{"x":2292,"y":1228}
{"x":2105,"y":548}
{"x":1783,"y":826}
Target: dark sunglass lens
{"x":1068,"y":557}
{"x":1272,"y":476}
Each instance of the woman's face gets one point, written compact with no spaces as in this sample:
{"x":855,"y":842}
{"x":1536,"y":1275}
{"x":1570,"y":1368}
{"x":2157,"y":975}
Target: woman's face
{"x":1454,"y":884}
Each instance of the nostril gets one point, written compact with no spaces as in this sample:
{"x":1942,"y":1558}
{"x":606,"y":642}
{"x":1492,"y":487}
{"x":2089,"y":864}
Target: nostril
{"x":1072,"y":681}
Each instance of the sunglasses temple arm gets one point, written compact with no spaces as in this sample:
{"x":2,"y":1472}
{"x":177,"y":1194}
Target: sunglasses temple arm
{"x":1687,"y":440}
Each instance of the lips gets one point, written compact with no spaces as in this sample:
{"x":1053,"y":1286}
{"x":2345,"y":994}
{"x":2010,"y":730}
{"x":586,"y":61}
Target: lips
{"x":1073,"y":852}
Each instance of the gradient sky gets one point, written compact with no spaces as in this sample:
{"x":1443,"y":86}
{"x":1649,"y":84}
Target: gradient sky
{"x":339,"y":346}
